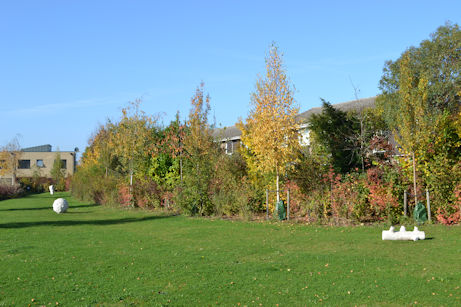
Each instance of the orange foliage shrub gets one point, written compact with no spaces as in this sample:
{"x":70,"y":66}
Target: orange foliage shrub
{"x":451,"y":215}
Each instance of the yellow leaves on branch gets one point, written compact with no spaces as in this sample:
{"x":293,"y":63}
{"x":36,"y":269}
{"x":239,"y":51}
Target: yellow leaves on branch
{"x":4,"y":165}
{"x":129,"y":140}
{"x":9,"y":155}
{"x":198,"y":141}
{"x":413,"y":124}
{"x":270,"y":131}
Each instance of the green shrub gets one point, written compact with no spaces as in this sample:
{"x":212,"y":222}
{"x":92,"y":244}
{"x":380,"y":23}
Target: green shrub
{"x":93,"y":184}
{"x":442,"y":179}
{"x":34,"y":185}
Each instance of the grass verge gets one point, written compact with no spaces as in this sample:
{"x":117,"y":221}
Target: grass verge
{"x":96,"y":255}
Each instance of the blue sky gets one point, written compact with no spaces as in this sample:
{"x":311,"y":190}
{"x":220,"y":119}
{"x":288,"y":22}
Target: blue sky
{"x":67,"y":66}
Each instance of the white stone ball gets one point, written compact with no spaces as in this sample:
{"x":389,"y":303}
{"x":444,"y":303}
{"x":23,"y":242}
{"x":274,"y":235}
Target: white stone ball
{"x":60,"y":205}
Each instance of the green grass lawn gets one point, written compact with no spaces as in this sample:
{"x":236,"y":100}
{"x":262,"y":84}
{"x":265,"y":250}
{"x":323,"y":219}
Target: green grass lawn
{"x":96,"y":255}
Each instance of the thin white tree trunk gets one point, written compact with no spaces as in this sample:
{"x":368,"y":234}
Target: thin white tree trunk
{"x":414,"y":179}
{"x":180,"y":168}
{"x":277,"y":186}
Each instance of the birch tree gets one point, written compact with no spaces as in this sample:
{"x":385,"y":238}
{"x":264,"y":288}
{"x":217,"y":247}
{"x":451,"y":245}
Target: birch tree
{"x":270,"y":131}
{"x":414,"y":124}
{"x":133,"y":139}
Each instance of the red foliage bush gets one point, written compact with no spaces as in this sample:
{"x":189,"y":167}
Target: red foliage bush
{"x":347,"y":196}
{"x":124,"y":195}
{"x":10,"y":191}
{"x":68,"y":182}
{"x":451,"y":215}
{"x":295,"y":196}
{"x":381,"y":197}
{"x":147,"y":193}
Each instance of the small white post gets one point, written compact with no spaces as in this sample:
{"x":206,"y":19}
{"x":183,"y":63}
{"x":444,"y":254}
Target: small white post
{"x":428,"y":201}
{"x":405,"y":202}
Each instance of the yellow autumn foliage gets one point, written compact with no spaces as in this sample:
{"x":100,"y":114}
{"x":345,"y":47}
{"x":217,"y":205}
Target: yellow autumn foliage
{"x":270,"y":131}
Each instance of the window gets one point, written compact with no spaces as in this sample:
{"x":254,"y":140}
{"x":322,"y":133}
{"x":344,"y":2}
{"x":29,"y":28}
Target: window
{"x":24,"y":164}
{"x":2,"y":163}
{"x":39,"y":163}
{"x":229,"y":147}
{"x":64,"y":163}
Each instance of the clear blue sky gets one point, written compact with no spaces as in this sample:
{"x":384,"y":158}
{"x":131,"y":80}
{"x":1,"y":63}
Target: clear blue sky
{"x":67,"y":66}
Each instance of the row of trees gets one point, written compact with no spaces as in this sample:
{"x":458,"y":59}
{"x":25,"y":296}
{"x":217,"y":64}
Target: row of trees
{"x":349,"y":172}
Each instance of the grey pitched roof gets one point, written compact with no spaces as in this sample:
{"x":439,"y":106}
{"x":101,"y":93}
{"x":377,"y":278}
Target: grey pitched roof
{"x":353,"y":105}
{"x":227,"y":133}
{"x":232,"y":132}
{"x":41,"y":148}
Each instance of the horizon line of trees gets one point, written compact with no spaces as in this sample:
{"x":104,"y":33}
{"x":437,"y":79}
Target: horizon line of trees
{"x":346,"y":175}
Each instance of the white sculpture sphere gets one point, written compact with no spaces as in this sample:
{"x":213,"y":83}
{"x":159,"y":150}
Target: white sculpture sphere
{"x":60,"y":205}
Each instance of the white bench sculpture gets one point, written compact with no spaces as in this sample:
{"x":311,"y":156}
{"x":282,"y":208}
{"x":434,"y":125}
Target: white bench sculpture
{"x":60,"y":205}
{"x":51,"y":187}
{"x":414,"y":235}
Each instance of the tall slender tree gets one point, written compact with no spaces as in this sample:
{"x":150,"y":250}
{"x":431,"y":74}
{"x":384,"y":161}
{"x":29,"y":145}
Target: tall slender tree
{"x":201,"y":153}
{"x":133,"y":139}
{"x":270,"y":131}
{"x":413,"y":127}
{"x":58,"y":173}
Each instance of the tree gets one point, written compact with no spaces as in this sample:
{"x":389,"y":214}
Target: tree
{"x":270,"y":131}
{"x":101,"y":149}
{"x":173,"y":142}
{"x":421,"y":99}
{"x":413,"y":125}
{"x":335,"y":130}
{"x":373,"y":130}
{"x":201,"y":153}
{"x":9,"y":156}
{"x":438,"y":60}
{"x":58,"y":173}
{"x":134,"y":140}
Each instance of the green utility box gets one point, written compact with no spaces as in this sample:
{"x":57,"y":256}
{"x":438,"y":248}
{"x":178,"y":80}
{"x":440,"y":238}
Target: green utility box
{"x":420,"y":213}
{"x":281,"y":212}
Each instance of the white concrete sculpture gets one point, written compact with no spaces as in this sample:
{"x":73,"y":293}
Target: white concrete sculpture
{"x":51,"y":187}
{"x":60,"y":205}
{"x":414,"y":235}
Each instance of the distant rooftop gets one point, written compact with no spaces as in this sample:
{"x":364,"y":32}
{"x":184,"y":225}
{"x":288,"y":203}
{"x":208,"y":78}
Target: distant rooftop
{"x":41,"y":148}
{"x":353,"y":105}
{"x":233,"y":132}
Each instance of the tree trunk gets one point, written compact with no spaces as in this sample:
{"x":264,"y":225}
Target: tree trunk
{"x":414,"y":178}
{"x":14,"y":168}
{"x":180,"y":168}
{"x":362,"y":141}
{"x":277,"y":186}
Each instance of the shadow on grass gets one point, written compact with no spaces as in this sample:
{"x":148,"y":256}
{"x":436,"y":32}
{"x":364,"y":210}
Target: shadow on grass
{"x":48,"y":208}
{"x":45,"y":195}
{"x":76,"y":223}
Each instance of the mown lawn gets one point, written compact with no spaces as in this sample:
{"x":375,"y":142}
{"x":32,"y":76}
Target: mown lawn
{"x":95,"y":255}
